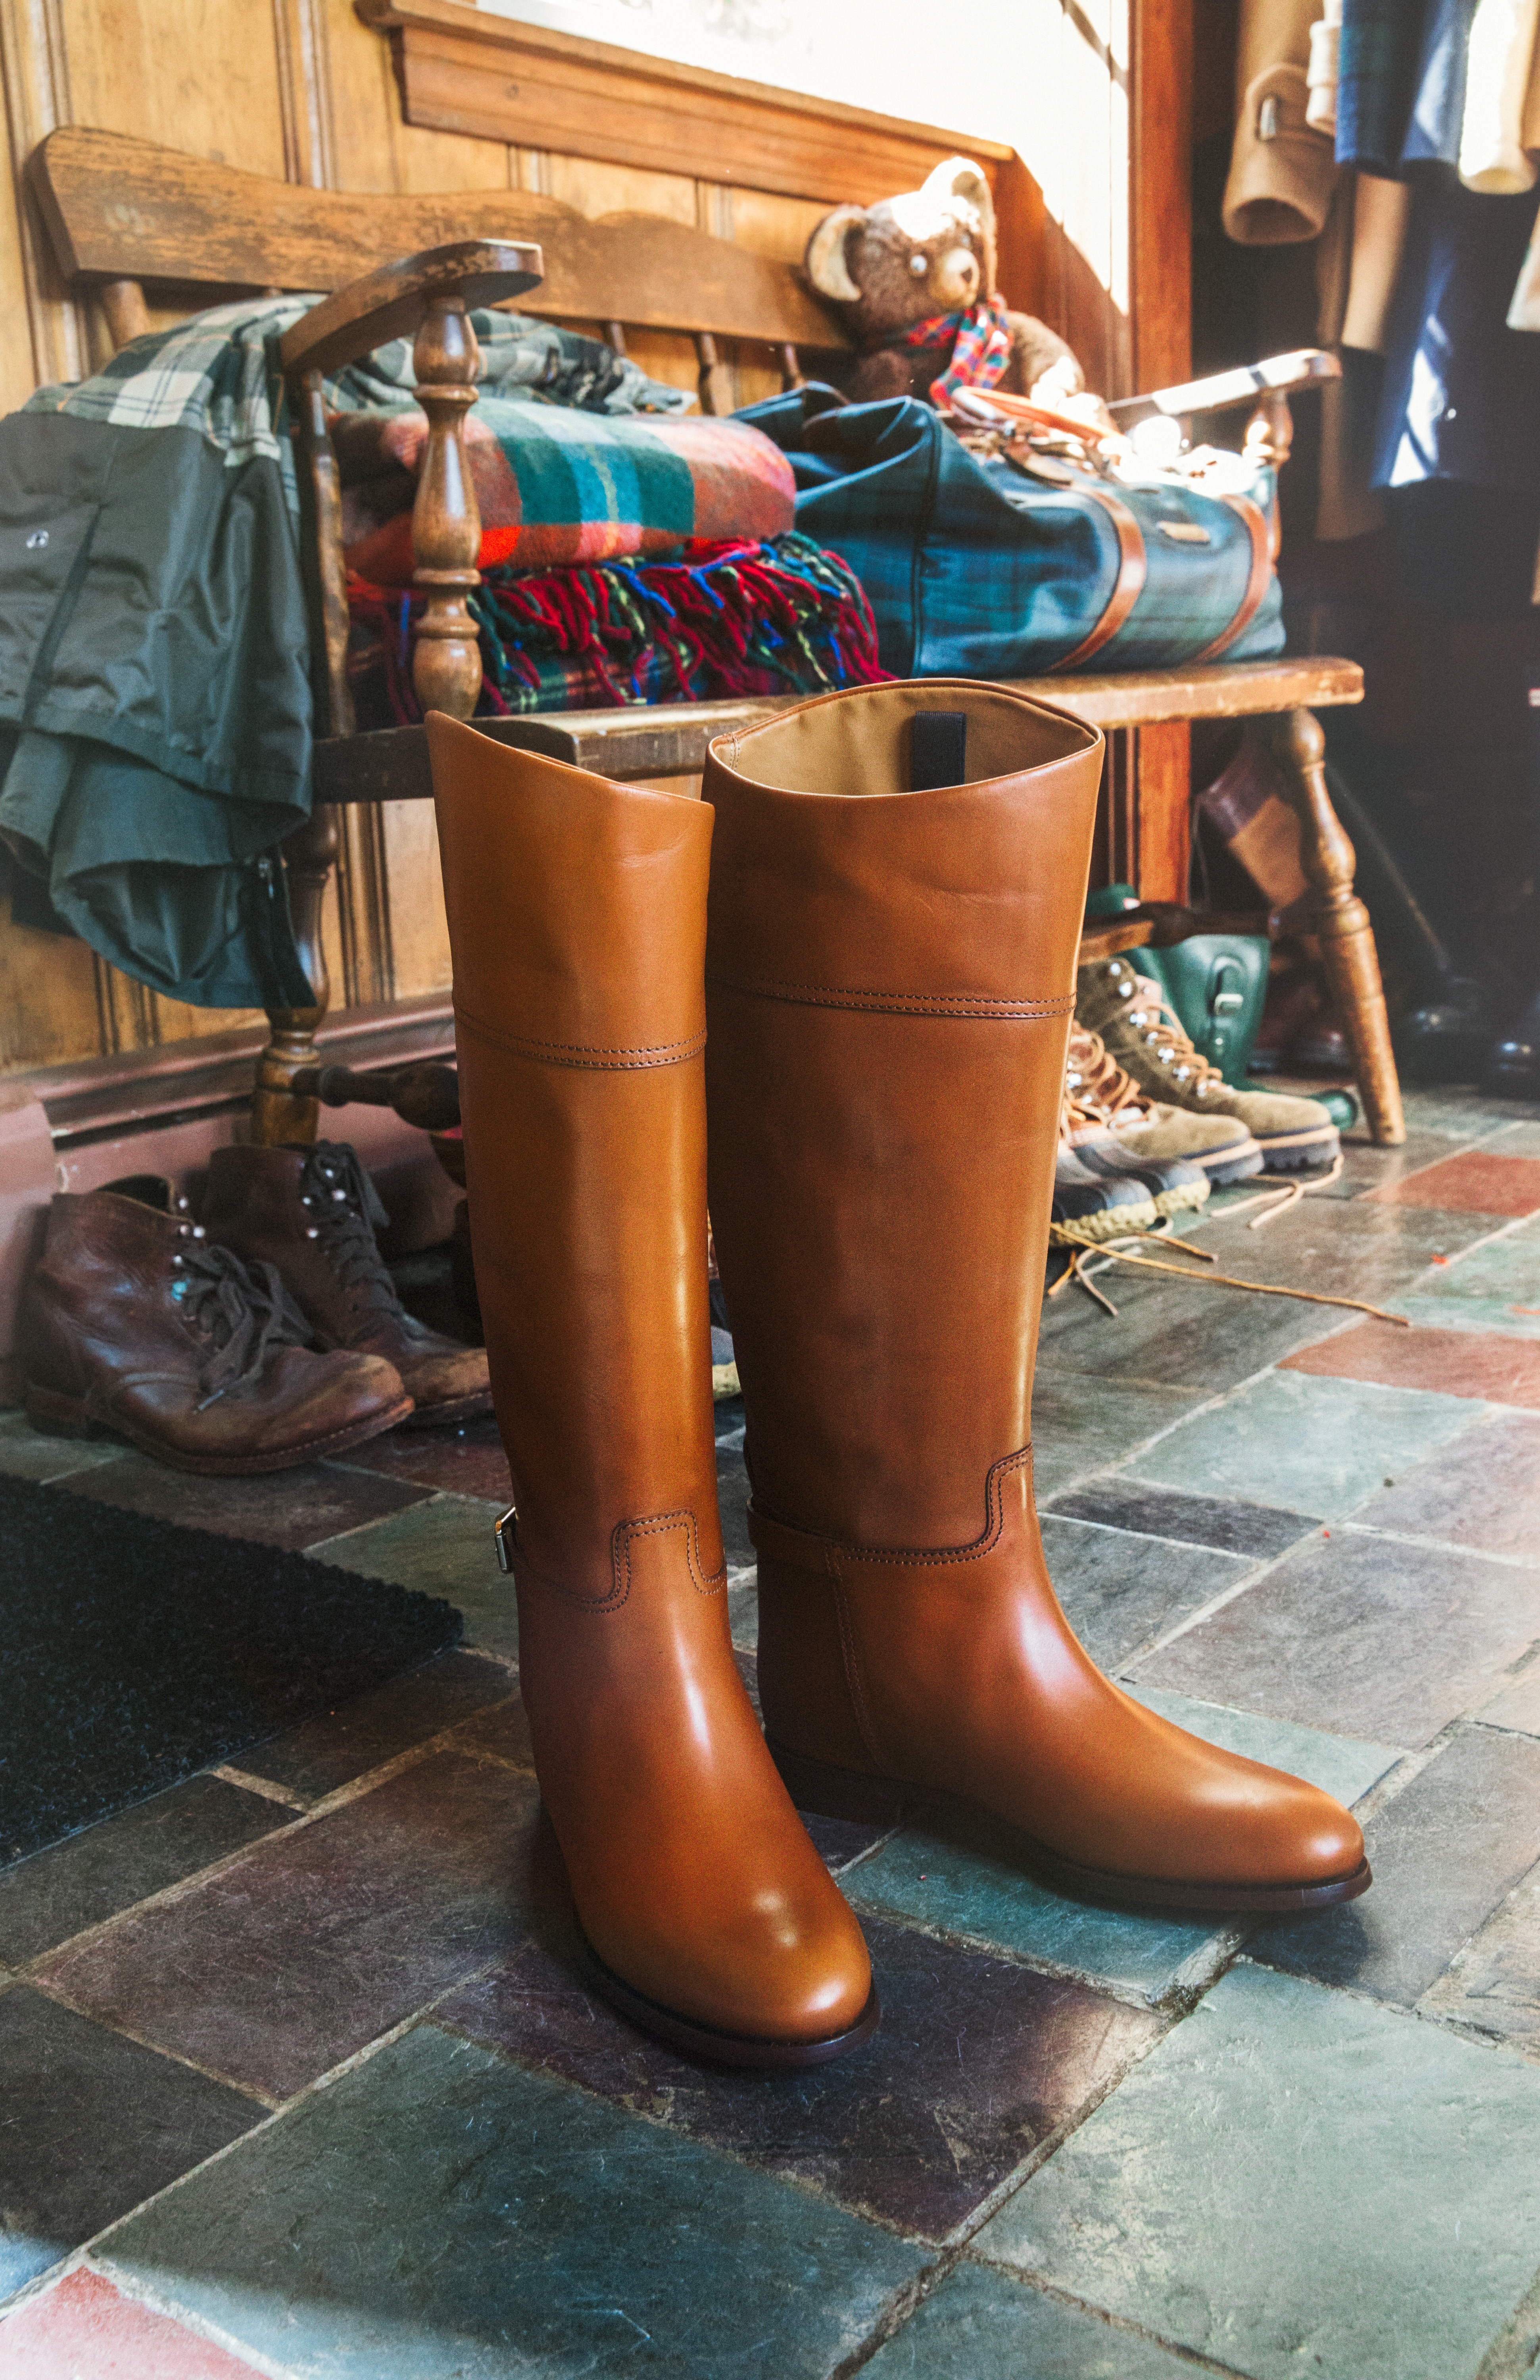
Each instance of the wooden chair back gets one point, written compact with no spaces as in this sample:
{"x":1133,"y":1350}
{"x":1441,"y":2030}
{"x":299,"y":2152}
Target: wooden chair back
{"x":123,"y":212}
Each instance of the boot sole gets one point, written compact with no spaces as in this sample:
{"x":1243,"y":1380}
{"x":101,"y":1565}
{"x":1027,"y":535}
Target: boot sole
{"x":1113,"y":1222}
{"x":1300,"y":1153}
{"x":457,"y":1410}
{"x":706,"y":2041}
{"x":60,"y":1416}
{"x":830,"y":1792}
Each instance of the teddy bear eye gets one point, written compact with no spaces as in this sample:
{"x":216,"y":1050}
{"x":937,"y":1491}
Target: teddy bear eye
{"x":918,"y":264}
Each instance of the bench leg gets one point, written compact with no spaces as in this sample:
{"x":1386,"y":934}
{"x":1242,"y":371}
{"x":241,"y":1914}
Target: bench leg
{"x":1342,"y":923}
{"x":276,"y":1114}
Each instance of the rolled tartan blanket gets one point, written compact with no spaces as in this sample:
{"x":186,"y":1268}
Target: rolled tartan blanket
{"x":777,"y":615}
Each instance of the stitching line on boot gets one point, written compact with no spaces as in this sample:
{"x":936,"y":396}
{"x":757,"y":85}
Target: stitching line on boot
{"x":836,"y":1550}
{"x":620,"y":1560}
{"x":903,"y":1003}
{"x":583,"y":1053}
{"x":706,"y":1583}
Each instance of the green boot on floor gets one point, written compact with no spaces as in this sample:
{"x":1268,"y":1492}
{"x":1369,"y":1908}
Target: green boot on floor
{"x":1144,"y":1034}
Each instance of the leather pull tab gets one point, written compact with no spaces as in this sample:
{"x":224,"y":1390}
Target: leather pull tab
{"x":938,"y":750}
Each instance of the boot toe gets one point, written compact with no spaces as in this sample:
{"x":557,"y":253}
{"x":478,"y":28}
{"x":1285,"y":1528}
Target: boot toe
{"x":776,"y":1972}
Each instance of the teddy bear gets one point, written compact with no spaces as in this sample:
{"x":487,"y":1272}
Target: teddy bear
{"x":913,"y":279}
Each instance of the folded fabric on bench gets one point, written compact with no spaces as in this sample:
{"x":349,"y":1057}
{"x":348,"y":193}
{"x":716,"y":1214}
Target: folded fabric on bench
{"x":554,"y":484}
{"x":721,"y":619}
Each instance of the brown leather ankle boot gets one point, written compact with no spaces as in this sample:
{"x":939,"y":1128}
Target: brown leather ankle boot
{"x":312,"y":1212}
{"x":134,"y":1321}
{"x":578,"y":923}
{"x":890,"y":979}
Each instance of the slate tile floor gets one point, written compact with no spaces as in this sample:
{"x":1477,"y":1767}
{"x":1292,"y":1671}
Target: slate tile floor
{"x":297,"y":2075}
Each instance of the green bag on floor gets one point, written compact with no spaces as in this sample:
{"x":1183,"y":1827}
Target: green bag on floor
{"x":1216,"y":983}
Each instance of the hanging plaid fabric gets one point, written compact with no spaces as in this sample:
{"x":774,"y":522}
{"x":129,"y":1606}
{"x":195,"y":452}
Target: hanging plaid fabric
{"x":980,"y":351}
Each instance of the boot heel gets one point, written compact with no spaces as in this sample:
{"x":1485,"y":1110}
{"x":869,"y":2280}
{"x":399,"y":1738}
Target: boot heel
{"x":825,"y":1792}
{"x":59,"y":1416}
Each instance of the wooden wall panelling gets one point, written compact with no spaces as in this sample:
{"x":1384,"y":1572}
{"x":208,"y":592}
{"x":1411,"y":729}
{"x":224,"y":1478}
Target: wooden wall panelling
{"x":464,"y":70}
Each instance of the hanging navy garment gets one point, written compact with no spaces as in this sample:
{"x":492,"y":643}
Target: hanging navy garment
{"x":1378,"y":55}
{"x":1456,"y":446}
{"x":1439,"y":95}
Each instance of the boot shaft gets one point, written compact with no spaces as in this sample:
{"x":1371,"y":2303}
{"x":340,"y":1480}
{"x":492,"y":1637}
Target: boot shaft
{"x":889,"y":982}
{"x":578,"y":917}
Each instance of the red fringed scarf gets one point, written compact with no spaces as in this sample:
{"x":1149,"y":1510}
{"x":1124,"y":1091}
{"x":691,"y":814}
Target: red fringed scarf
{"x":981,"y":352}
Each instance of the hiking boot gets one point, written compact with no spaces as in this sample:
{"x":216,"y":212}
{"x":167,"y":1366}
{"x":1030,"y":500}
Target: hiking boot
{"x":1143,"y":1033}
{"x":134,"y":1321}
{"x":312,"y":1212}
{"x":1102,"y":1204}
{"x":1111,"y":1121}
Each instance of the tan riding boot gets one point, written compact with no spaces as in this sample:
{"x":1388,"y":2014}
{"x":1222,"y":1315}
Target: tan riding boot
{"x":578,"y":923}
{"x":890,"y":979}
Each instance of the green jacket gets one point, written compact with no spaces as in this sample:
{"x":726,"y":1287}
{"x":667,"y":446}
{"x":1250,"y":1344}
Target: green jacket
{"x":155,"y":648}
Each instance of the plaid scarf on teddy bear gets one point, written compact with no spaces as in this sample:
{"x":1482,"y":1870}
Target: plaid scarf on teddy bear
{"x":981,"y":349}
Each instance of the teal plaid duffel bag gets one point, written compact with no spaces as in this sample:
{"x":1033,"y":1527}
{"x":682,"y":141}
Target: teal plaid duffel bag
{"x":976,"y":567}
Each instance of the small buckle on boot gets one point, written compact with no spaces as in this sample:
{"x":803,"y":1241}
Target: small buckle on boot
{"x":506,"y":1535}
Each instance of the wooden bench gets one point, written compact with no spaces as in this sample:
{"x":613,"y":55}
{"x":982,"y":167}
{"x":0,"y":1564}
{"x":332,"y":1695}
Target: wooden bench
{"x":124,"y":215}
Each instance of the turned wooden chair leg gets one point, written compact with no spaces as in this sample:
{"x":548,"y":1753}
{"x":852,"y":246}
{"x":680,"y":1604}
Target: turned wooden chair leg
{"x":1342,"y":923}
{"x":277,"y":1113}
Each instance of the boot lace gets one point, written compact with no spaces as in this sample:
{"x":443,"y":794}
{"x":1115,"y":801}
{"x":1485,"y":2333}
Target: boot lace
{"x":1166,"y":1036}
{"x":243,"y":1312}
{"x":345,"y":1212}
{"x":1096,"y":1090}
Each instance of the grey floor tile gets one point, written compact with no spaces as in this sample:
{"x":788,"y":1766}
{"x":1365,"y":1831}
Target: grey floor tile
{"x":28,"y":1453}
{"x":1341,"y":1764}
{"x":983,"y":2326}
{"x":295,"y":1508}
{"x":1080,"y":1423}
{"x":314,"y":1943}
{"x":1167,"y":1336}
{"x":743,"y":1610}
{"x":976,"y":2061}
{"x":1494,"y":1982}
{"x":1482,"y":1490}
{"x":89,"y":2125}
{"x":1354,"y":1248}
{"x":78,"y":1883}
{"x":1119,"y":1591}
{"x":1360,"y":1635}
{"x":1493,"y":1286}
{"x":1311,"y":1445}
{"x":1446,"y":1851}
{"x":968,"y":1878}
{"x":443,"y":1548}
{"x":441,"y":2215}
{"x":1518,"y":1705}
{"x":1229,"y":1526}
{"x":314,"y":1759}
{"x":733,"y":1505}
{"x":1298,"y":2180}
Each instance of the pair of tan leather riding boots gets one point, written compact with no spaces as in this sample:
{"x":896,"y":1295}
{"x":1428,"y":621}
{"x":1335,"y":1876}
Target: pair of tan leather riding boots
{"x":874,"y":910}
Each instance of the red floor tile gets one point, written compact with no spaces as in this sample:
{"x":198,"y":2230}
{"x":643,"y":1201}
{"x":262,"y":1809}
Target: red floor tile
{"x":1457,"y":1362}
{"x":85,"y":2326}
{"x":1473,"y":1185}
{"x":468,"y":1462}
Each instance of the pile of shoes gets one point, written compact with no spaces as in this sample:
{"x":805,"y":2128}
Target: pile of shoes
{"x":1125,"y":1158}
{"x":1145,"y":1111}
{"x":263,"y":1337}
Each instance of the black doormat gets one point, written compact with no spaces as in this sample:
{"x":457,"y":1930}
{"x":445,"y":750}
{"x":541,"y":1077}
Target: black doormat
{"x":133,"y":1652}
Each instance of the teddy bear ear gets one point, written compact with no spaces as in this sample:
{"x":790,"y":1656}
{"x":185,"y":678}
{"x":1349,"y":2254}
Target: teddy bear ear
{"x":960,"y":180}
{"x":825,"y":260}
